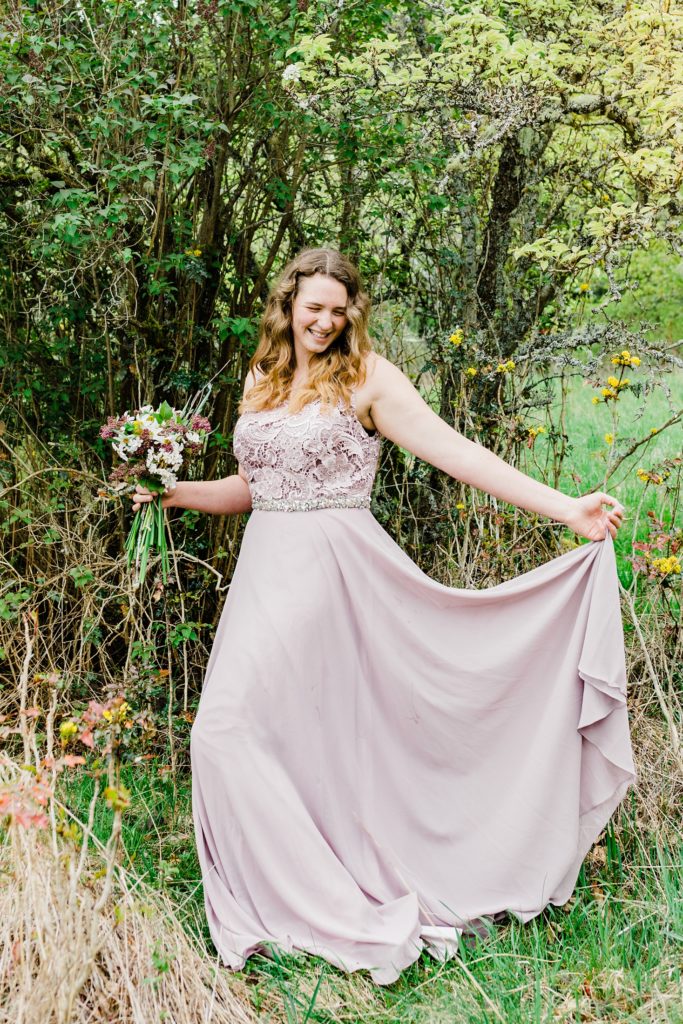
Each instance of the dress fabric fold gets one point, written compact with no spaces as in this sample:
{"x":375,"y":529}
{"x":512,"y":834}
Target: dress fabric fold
{"x":381,"y":762}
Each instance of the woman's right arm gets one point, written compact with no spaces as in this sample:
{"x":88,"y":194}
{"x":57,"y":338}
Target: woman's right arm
{"x":226,"y":497}
{"x":229,"y":496}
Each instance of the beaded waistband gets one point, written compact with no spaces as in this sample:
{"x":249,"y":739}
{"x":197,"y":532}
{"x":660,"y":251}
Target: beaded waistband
{"x":308,"y":504}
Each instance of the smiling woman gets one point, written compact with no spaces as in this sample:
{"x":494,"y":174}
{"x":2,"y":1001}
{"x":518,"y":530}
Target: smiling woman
{"x":314,"y":335}
{"x":380,"y":762}
{"x":318,"y":314}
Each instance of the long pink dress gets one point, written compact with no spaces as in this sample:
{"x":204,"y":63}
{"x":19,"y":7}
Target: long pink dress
{"x":381,"y":762}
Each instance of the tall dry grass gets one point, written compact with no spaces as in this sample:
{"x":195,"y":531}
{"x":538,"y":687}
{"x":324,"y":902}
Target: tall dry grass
{"x":83,"y":941}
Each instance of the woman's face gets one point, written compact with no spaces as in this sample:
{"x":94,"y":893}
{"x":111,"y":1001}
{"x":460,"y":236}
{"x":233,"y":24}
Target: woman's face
{"x":318,"y":314}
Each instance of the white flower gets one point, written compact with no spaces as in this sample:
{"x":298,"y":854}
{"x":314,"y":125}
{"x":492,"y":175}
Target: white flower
{"x":127,"y":445}
{"x":292,"y":73}
{"x":168,"y":479}
{"x":192,"y":437}
{"x":164,"y":459}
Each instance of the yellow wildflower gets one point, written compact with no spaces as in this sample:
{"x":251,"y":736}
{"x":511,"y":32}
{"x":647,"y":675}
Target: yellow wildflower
{"x":624,"y":358}
{"x":67,"y":731}
{"x":584,"y":287}
{"x":613,"y":382}
{"x":643,"y":475}
{"x":457,"y":336}
{"x":471,"y":371}
{"x":197,"y":252}
{"x":654,"y":430}
{"x":667,"y":566}
{"x":460,"y":504}
{"x":607,"y":393}
{"x":118,"y":713}
{"x":609,"y":438}
{"x":595,"y":400}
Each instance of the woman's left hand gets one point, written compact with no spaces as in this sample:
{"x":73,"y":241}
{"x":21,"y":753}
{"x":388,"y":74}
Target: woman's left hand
{"x":589,"y":519}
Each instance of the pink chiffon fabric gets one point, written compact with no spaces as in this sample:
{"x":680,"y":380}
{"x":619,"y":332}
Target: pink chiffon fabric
{"x":381,"y":762}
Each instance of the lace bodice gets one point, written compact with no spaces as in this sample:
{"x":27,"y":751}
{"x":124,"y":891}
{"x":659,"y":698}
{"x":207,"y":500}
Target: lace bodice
{"x":312,"y":458}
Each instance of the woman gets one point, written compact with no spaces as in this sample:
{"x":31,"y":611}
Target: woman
{"x":380,"y":762}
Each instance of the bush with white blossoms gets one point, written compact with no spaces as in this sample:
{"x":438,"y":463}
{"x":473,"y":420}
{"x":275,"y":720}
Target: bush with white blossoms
{"x":154,"y":445}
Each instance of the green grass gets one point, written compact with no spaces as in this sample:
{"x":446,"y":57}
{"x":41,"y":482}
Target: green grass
{"x":613,"y":953}
{"x":591,"y":459}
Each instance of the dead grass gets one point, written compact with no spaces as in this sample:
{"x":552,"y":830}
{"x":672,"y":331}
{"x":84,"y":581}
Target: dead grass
{"x":83,"y":941}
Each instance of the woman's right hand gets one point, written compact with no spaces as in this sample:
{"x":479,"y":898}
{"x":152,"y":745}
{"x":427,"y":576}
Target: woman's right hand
{"x":142,"y":496}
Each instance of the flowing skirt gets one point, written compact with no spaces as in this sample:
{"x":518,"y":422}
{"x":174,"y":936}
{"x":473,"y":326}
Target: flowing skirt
{"x":381,"y":762}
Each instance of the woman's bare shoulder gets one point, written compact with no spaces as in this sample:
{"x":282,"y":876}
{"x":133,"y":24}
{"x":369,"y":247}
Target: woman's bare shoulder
{"x":379,"y":372}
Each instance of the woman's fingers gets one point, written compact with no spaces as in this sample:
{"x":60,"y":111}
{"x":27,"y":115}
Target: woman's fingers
{"x":608,"y":499}
{"x":615,"y":515}
{"x":140,"y":496}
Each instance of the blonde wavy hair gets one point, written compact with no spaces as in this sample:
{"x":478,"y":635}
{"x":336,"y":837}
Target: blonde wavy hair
{"x":332,"y":374}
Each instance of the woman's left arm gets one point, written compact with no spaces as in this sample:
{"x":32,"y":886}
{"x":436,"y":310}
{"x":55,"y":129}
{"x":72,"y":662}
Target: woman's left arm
{"x":400,"y":413}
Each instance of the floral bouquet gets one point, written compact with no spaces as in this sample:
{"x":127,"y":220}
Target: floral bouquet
{"x":154,"y":446}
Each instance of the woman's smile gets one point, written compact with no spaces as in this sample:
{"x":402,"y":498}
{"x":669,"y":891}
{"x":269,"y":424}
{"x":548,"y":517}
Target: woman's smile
{"x":318,"y":315}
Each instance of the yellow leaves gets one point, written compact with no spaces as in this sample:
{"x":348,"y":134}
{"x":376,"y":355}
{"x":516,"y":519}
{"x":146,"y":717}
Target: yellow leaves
{"x":310,"y":47}
{"x":118,"y":798}
{"x":657,"y":166}
{"x":552,"y":252}
{"x":70,"y":831}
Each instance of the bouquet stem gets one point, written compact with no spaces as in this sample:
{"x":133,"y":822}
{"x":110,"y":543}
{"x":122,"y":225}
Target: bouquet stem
{"x":148,"y":534}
